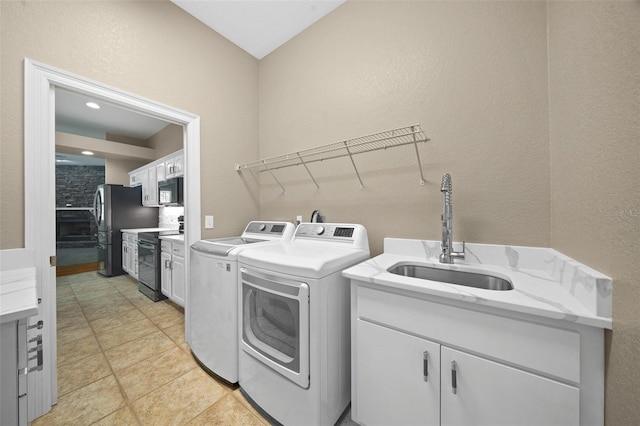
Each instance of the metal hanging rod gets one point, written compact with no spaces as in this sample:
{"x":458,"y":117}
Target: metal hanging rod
{"x":411,"y":135}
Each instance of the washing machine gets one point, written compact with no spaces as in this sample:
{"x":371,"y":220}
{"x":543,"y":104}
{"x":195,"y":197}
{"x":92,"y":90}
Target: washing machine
{"x":213,"y":303}
{"x":294,"y":306}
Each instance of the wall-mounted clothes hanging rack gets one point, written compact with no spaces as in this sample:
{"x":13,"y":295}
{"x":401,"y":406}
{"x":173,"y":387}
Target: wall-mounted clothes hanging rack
{"x":411,"y":135}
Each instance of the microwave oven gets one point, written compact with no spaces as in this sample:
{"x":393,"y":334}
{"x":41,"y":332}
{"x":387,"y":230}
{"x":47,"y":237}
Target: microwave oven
{"x":170,"y":192}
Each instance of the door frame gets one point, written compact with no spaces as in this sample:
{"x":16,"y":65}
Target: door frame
{"x":40,"y":81}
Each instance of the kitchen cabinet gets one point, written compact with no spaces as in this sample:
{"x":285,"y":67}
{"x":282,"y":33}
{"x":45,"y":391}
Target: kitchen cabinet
{"x":419,"y":362}
{"x":130,"y":253}
{"x":174,"y":165}
{"x":160,"y":170}
{"x":150,"y":187}
{"x":173,"y":271}
{"x":135,"y":179}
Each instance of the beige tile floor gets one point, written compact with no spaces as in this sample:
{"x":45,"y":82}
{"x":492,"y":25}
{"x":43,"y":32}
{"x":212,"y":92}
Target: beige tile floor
{"x":122,"y":360}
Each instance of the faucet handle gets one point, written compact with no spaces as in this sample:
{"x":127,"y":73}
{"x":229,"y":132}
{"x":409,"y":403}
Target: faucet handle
{"x":459,"y":254}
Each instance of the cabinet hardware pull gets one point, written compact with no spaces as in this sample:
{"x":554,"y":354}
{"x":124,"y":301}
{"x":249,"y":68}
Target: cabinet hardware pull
{"x":39,"y":326}
{"x":454,"y":377}
{"x":425,"y":366}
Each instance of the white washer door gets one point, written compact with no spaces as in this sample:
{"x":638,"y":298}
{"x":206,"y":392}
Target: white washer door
{"x":275,"y":323}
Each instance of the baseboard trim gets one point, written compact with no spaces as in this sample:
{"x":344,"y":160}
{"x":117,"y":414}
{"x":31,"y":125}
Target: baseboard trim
{"x":62,"y":271}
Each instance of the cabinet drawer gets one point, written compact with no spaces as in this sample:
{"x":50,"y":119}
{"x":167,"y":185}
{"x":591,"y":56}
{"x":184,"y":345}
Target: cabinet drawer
{"x":549,"y":350}
{"x":178,"y":249}
{"x":165,"y":246}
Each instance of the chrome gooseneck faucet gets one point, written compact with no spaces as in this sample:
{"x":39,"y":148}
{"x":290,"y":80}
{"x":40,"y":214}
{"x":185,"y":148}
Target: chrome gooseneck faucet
{"x":448,"y":254}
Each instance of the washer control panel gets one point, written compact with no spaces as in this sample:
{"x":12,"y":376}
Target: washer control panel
{"x":325,"y":230}
{"x":270,"y":228}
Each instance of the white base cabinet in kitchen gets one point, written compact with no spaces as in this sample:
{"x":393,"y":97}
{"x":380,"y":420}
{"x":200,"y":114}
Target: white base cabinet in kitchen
{"x":172,"y":280}
{"x":418,"y":362}
{"x":130,"y":253}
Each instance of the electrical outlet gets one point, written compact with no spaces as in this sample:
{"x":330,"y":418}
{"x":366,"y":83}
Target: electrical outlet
{"x":208,"y":222}
{"x":299,"y":220}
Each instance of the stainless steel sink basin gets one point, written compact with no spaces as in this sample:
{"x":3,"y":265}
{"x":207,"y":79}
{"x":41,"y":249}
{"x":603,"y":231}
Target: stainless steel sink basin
{"x":469,"y":279}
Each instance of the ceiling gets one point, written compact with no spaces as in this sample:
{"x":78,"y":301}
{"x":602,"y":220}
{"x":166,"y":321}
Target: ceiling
{"x":258,"y":26}
{"x":73,"y":116}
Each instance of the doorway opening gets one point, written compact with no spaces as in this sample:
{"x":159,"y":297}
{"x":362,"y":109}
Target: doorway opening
{"x":41,"y":82}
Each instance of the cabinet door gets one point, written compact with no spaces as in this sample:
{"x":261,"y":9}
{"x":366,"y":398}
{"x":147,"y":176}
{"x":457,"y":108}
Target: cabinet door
{"x":397,"y":377}
{"x":152,"y":186}
{"x":178,"y":168}
{"x":134,"y":259}
{"x":489,"y":393}
{"x":165,"y":279}
{"x":174,"y":166}
{"x":125,"y":257}
{"x":177,"y":280}
{"x":161,"y":173}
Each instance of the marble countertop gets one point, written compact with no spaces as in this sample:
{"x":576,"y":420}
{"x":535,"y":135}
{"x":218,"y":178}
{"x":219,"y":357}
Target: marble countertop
{"x":18,"y":286}
{"x":177,"y":238}
{"x":138,"y":230}
{"x":546,"y":283}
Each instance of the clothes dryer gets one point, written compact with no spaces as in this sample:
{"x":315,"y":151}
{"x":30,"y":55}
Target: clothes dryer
{"x":212,"y":310}
{"x":294,"y":306}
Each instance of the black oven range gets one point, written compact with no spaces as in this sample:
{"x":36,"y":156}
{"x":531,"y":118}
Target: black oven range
{"x":149,"y":263}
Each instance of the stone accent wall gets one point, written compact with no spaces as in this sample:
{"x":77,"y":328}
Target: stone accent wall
{"x":76,"y":185}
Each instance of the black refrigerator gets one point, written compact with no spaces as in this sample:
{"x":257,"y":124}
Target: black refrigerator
{"x":117,"y":207}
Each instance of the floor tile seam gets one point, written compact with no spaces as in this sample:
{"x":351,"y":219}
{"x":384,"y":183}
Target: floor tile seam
{"x":178,"y":377}
{"x":66,"y":343}
{"x":133,"y":401}
{"x":106,"y":315}
{"x":123,"y":343}
{"x":124,"y":395}
{"x":126,"y":405}
{"x":157,"y":354}
{"x":219,"y":400}
{"x":247,"y":405}
{"x":105,"y":330}
{"x":60,"y":395}
{"x":108,"y":298}
{"x":250,"y":411}
{"x":97,"y":296}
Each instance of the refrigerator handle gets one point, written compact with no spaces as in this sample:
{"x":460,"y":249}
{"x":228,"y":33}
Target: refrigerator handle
{"x":95,"y":206}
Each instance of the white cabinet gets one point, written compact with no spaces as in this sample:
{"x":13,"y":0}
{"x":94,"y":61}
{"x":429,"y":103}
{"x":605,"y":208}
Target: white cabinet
{"x":174,"y":166}
{"x":173,"y":271}
{"x":419,"y":362}
{"x":479,"y":391}
{"x":150,"y":187}
{"x":149,"y":175}
{"x":130,"y":253}
{"x":135,"y":178}
{"x":398,"y":377}
{"x":165,"y":279}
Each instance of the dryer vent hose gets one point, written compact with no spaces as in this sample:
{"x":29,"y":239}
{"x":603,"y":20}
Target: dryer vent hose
{"x":315,"y":217}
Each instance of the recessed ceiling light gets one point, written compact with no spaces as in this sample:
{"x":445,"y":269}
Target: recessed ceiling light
{"x":87,"y":152}
{"x":93,"y":105}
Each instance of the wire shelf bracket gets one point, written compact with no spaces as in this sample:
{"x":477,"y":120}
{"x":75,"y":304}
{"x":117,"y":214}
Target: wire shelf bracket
{"x":410,"y":135}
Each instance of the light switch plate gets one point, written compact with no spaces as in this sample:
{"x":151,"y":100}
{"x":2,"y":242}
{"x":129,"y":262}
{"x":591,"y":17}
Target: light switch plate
{"x":208,"y":222}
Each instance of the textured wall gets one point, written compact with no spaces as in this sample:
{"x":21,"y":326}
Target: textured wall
{"x":473,"y":74}
{"x":594,"y":74}
{"x":152,"y":49}
{"x":167,"y":140}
